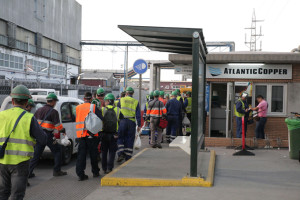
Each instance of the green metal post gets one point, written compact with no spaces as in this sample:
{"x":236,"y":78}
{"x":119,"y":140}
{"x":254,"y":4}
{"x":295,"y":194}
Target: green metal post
{"x":195,"y":93}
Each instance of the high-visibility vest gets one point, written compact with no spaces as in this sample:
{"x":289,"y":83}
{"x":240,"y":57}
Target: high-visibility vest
{"x":117,"y":111}
{"x":178,"y":98}
{"x":236,"y":113}
{"x":189,"y":106}
{"x":50,"y":126}
{"x":128,"y":107}
{"x":82,"y":111}
{"x":20,"y":146}
{"x":116,"y":102}
{"x":156,"y":111}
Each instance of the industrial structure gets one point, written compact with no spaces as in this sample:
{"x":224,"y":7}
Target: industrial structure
{"x":40,"y":41}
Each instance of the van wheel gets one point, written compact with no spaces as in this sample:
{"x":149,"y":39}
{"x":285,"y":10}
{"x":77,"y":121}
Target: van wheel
{"x":67,"y":152}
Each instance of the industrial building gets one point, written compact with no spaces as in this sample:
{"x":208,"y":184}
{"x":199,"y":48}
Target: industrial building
{"x":40,"y":41}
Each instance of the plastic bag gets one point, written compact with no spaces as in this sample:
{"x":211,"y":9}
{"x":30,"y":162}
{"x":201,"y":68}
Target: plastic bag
{"x":292,"y":123}
{"x":64,"y":141}
{"x":186,"y":121}
{"x":137,"y":142}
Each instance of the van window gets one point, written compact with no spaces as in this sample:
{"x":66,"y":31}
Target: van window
{"x":38,"y":93}
{"x":66,"y":114}
{"x":73,"y":108}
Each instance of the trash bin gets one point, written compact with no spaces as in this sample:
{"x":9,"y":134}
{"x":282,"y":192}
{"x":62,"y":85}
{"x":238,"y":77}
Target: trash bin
{"x":294,"y":137}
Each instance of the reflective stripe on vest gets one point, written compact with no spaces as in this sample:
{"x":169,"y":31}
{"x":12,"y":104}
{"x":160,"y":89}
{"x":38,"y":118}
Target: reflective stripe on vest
{"x":156,"y":110}
{"x":189,"y":106}
{"x":236,"y":112}
{"x":81,"y":113}
{"x":117,"y":111}
{"x":20,"y":146}
{"x":128,"y":107}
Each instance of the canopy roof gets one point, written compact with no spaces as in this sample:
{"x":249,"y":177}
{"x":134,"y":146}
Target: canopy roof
{"x":165,"y":39}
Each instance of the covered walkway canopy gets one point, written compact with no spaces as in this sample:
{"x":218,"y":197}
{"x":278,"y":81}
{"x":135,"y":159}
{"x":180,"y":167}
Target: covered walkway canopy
{"x":188,"y":41}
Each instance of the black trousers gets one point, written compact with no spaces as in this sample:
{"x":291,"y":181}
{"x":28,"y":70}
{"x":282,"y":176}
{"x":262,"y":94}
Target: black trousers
{"x":87,"y":145}
{"x":39,"y":149}
{"x":109,"y":148}
{"x":13,"y":180}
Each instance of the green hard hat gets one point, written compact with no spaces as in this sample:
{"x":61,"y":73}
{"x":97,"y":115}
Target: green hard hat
{"x":178,"y":91}
{"x":129,"y":89}
{"x":175,"y":93}
{"x":156,"y":93}
{"x":100,"y":91}
{"x":151,"y":94}
{"x":161,"y":93}
{"x":95,"y":101}
{"x":188,"y":93}
{"x":31,"y":103}
{"x":109,"y":96}
{"x":167,"y":95}
{"x":20,"y":92}
{"x":52,"y":96}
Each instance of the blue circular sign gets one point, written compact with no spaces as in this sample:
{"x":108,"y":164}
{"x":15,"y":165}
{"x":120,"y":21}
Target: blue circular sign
{"x":140,"y":66}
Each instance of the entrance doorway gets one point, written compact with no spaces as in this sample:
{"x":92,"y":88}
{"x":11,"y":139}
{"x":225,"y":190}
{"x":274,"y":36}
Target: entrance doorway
{"x":222,"y":100}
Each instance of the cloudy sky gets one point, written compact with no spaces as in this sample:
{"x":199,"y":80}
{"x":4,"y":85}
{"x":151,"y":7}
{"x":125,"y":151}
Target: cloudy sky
{"x":220,"y":20}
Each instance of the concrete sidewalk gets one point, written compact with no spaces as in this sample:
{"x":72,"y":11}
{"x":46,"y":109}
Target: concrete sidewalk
{"x":269,"y":175}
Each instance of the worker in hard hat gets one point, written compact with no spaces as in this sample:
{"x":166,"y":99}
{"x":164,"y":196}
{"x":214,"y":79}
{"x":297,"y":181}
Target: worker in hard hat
{"x":162,"y":97}
{"x":30,"y":105}
{"x":174,"y":110}
{"x":180,"y":99}
{"x":131,"y":110}
{"x":100,"y":95}
{"x":49,"y":120}
{"x":241,"y":109}
{"x":19,"y":132}
{"x":188,"y":108}
{"x":156,"y":110}
{"x":167,"y":98}
{"x":111,"y":117}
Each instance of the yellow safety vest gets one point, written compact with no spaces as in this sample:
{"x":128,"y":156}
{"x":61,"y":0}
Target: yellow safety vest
{"x":128,"y":107}
{"x":189,"y":106}
{"x":117,"y":111}
{"x":116,"y":102}
{"x":178,"y":98}
{"x":236,"y":113}
{"x":20,"y":146}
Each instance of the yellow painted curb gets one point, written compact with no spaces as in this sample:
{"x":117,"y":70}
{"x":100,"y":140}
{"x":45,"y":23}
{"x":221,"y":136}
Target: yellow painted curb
{"x":146,"y":182}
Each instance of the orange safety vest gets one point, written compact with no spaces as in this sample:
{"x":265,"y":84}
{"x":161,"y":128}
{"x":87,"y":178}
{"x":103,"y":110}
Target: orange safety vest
{"x":81,"y":112}
{"x":162,"y":100}
{"x":156,"y":111}
{"x":50,"y":126}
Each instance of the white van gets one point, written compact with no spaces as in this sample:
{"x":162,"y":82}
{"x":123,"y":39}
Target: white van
{"x":41,"y":91}
{"x":66,"y":107}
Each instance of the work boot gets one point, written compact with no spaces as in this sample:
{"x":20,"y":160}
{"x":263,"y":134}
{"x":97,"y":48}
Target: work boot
{"x":154,"y":146}
{"x":59,"y":173}
{"x":83,"y":178}
{"x":95,"y":175}
{"x":31,"y":175}
{"x":121,"y":158}
{"x":108,"y":171}
{"x":159,"y":146}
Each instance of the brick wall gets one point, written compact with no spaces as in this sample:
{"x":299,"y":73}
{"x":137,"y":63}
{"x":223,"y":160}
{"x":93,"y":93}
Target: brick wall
{"x":296,"y":73}
{"x":260,"y":143}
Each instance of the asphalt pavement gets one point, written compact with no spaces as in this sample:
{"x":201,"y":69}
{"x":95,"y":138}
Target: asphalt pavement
{"x":269,"y":175}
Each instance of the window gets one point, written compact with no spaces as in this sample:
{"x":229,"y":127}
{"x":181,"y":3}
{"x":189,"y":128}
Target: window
{"x":275,"y":95}
{"x":73,"y":108}
{"x":1,"y":60}
{"x":66,"y":115}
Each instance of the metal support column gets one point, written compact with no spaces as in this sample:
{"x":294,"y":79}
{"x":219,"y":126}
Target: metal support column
{"x":195,"y":86}
{"x":157,"y":85}
{"x":140,"y":91}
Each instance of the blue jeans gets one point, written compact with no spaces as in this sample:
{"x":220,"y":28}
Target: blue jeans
{"x":260,"y":128}
{"x":239,"y":126}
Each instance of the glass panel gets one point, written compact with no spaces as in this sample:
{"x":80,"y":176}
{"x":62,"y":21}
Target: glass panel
{"x":6,"y":57}
{"x":1,"y":63}
{"x":261,"y":90}
{"x":6,"y":64}
{"x":277,"y":99}
{"x":73,"y":108}
{"x":66,"y":115}
{"x":1,"y":56}
{"x":12,"y":65}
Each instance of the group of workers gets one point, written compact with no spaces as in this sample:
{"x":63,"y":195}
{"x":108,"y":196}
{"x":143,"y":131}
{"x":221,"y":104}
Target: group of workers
{"x":166,"y":107}
{"x":24,"y":136}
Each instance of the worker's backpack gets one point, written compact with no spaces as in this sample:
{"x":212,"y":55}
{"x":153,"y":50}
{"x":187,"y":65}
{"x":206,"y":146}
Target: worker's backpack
{"x":110,"y":120}
{"x":92,"y":122}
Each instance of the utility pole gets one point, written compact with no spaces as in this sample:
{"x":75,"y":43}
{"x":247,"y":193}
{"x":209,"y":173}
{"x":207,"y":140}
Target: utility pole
{"x":255,"y":36}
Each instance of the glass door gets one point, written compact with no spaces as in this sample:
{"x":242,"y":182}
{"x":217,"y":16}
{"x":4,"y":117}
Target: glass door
{"x":229,"y":108}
